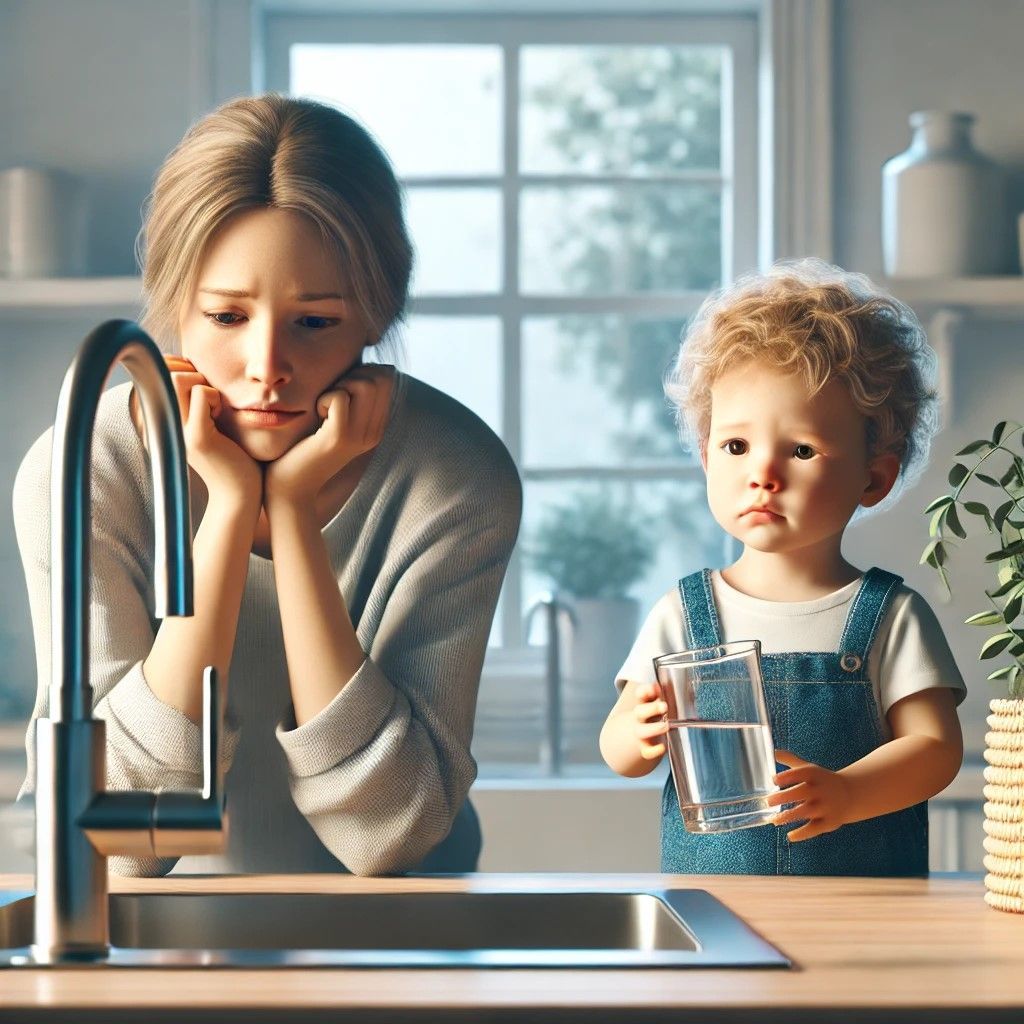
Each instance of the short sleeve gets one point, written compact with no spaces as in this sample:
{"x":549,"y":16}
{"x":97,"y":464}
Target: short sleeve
{"x":663,"y":631}
{"x":914,"y":654}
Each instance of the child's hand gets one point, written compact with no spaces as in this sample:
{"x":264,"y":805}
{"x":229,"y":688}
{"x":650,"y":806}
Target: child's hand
{"x":649,"y":722}
{"x":821,"y":797}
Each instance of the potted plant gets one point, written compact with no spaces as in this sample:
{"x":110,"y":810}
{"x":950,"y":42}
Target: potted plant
{"x":997,"y":466}
{"x":593,"y":549}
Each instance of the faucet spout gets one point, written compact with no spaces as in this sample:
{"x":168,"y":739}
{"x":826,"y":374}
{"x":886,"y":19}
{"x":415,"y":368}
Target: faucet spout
{"x":111,"y":342}
{"x":78,"y":822}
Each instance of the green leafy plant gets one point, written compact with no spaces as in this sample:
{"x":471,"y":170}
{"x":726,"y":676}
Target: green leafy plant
{"x":592,"y":547}
{"x":1006,"y":520}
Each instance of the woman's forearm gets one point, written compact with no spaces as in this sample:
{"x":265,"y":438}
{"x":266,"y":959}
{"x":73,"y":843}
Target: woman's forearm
{"x":321,"y":646}
{"x":899,"y":774}
{"x":184,"y":646}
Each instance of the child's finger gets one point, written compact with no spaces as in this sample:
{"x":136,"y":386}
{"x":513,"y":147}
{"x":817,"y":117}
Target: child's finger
{"x":646,"y":711}
{"x":645,"y":730}
{"x":651,"y":751}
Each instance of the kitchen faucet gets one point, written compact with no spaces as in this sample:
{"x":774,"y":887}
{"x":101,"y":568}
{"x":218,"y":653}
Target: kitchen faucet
{"x":78,"y":822}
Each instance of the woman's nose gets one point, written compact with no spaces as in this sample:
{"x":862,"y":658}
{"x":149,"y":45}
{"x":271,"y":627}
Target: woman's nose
{"x":267,"y":361}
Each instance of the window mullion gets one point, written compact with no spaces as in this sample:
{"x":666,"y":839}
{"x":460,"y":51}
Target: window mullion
{"x":512,"y":625}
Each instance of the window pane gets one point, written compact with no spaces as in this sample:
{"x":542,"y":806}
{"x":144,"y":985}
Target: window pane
{"x":457,"y":236}
{"x":592,"y":391}
{"x":413,"y":98}
{"x":460,"y":356}
{"x":620,"y":109}
{"x":646,"y":535}
{"x":603,"y":240}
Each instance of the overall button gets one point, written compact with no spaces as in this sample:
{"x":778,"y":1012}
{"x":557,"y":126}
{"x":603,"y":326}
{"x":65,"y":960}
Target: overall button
{"x":850,"y":662}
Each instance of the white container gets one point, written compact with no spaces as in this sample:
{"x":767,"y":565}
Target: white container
{"x":42,"y":224}
{"x":944,"y":209}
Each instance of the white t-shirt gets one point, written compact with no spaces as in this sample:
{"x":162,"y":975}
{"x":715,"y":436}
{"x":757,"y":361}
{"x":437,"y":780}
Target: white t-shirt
{"x":909,"y":653}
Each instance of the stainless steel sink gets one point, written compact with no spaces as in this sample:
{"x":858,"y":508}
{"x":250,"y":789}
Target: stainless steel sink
{"x":547,"y":928}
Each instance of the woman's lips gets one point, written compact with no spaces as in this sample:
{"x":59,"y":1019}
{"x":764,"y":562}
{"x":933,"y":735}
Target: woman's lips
{"x":265,"y":417}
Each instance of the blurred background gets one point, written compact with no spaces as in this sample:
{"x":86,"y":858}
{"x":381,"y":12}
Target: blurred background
{"x":578,"y":176}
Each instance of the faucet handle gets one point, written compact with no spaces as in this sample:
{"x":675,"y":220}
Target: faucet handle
{"x":190,"y":823}
{"x":165,"y":823}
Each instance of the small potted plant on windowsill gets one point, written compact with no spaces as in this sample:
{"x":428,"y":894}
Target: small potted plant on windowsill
{"x":593,"y":549}
{"x":1004,"y":752}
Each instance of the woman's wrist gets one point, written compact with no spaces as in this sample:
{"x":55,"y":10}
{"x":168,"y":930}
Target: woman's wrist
{"x":240,"y":505}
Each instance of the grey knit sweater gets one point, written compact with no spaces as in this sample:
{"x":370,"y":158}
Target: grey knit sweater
{"x":377,"y":781}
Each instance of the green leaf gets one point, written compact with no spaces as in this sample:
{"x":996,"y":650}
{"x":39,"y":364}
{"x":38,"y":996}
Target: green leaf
{"x":946,"y":499}
{"x":1011,"y":551}
{"x":975,"y":508}
{"x":938,"y":521}
{"x":1012,"y":608}
{"x":958,"y":474}
{"x":987,"y":479}
{"x":1000,"y":514}
{"x":984,"y":619}
{"x":975,"y":446}
{"x":1008,"y":477}
{"x":1002,"y":673}
{"x":1000,"y":429}
{"x":995,"y":645}
{"x":953,"y":521}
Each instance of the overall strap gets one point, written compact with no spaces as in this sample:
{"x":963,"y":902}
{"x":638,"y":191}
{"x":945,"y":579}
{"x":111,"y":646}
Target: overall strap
{"x":866,"y":614}
{"x":699,"y":610}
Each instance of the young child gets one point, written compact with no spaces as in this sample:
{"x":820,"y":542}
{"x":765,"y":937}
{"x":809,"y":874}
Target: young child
{"x":807,"y":393}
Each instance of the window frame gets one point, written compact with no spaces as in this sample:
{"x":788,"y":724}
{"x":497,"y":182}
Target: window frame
{"x":738,"y":33}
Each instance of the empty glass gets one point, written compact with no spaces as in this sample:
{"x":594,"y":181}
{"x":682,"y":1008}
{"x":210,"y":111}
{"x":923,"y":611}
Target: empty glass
{"x":719,"y":739}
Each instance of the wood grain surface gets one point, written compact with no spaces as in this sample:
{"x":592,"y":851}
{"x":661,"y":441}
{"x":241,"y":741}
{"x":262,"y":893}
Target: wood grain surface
{"x":863,"y":949}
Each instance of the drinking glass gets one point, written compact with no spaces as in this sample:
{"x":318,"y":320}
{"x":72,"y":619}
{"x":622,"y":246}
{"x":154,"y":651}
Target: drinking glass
{"x":719,"y":739}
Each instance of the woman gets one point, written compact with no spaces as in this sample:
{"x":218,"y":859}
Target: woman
{"x":354,"y":524}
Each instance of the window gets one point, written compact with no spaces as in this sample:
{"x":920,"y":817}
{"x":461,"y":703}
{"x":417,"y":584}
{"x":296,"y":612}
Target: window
{"x":574,"y":188}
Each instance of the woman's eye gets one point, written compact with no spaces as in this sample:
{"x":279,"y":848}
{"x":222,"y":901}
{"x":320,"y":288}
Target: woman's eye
{"x":804,"y":451}
{"x":735,"y":446}
{"x":217,"y":319}
{"x":320,"y":322}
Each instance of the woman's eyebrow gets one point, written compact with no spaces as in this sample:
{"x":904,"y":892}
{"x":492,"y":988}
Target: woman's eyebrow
{"x":237,"y":293}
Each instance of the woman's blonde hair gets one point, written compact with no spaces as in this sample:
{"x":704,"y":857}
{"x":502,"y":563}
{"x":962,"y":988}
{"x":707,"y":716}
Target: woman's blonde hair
{"x":823,"y":323}
{"x":286,"y":153}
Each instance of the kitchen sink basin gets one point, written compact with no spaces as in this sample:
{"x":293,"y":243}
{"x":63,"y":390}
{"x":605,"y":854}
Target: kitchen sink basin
{"x":546,"y":928}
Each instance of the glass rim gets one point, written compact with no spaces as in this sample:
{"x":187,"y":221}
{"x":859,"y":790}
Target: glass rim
{"x":731,"y":650}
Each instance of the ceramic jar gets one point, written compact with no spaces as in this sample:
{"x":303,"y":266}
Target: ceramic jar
{"x":944,"y":210}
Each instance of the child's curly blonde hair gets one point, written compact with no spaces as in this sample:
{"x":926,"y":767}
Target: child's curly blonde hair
{"x":819,"y":321}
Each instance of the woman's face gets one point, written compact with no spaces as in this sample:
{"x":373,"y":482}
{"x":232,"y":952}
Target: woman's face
{"x":272,"y":325}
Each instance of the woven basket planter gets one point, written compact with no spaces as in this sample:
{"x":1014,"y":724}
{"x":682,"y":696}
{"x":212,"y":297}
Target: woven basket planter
{"x":1004,"y":806}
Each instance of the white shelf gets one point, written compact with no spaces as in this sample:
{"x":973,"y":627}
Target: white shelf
{"x":69,"y":297}
{"x":985,"y":296}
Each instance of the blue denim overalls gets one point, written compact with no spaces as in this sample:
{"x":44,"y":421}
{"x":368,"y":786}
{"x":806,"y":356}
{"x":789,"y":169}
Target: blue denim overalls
{"x":821,"y":708}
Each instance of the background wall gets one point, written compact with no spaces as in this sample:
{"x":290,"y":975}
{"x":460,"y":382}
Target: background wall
{"x":104,"y":88}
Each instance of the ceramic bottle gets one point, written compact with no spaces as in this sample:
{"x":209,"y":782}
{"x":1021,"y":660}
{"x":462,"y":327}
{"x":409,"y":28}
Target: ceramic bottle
{"x":944,"y":210}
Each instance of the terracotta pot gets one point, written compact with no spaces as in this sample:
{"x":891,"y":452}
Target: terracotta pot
{"x":1004,"y":806}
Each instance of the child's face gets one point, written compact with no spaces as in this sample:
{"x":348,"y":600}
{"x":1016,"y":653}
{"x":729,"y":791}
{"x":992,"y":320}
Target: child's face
{"x":277,"y":345}
{"x":801,"y":459}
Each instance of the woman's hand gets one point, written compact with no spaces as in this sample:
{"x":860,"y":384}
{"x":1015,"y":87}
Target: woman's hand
{"x":354,"y":415}
{"x":821,"y":797}
{"x":221,"y":464}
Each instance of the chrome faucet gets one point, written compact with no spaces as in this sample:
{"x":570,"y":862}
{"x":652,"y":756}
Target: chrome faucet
{"x":78,"y":822}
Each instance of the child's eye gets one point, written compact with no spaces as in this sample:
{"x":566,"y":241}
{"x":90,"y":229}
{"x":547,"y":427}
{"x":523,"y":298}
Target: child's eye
{"x":804,"y":452}
{"x":216,"y":318}
{"x":735,"y":446}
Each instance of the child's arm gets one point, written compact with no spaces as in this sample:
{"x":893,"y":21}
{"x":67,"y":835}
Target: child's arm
{"x":629,"y":738}
{"x":920,"y":760}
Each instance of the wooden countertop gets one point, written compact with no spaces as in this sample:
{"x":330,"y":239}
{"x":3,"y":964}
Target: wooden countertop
{"x":863,"y":950}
